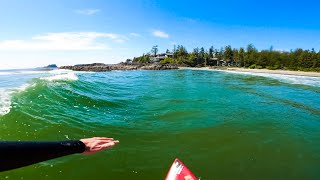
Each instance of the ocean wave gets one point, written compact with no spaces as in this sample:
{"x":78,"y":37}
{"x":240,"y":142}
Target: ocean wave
{"x":71,"y":76}
{"x":291,"y":79}
{"x":7,"y":92}
{"x":5,"y":97}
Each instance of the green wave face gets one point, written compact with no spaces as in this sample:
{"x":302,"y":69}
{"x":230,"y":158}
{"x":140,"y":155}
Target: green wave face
{"x":222,"y":125}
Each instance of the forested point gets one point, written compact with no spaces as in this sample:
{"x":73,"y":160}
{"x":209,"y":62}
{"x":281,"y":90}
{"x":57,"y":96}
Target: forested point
{"x":250,"y":57}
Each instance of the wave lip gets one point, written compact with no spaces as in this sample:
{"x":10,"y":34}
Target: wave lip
{"x":6,"y":94}
{"x":67,"y":76}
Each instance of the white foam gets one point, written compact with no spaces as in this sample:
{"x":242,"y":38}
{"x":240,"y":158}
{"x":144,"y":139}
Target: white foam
{"x":54,"y":72}
{"x":31,"y":72}
{"x":5,"y":97}
{"x":5,"y":73}
{"x":292,"y":79}
{"x":5,"y":102}
{"x":8,"y":88}
{"x":59,"y":71}
{"x":64,"y":71}
{"x":23,"y":87}
{"x":71,"y":76}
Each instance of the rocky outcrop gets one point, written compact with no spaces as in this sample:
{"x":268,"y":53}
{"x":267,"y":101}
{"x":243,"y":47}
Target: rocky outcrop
{"x":99,"y":67}
{"x":87,"y":68}
{"x":159,"y":67}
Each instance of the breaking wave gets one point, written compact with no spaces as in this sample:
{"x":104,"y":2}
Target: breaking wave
{"x":28,"y":79}
{"x":68,"y":76}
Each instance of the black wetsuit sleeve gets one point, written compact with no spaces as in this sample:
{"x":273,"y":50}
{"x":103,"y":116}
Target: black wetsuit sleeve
{"x":15,"y":154}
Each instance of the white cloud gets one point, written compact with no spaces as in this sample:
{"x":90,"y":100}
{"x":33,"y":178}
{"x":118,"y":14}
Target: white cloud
{"x":64,"y":41}
{"x":87,"y":11}
{"x":135,"y":34}
{"x":160,"y":34}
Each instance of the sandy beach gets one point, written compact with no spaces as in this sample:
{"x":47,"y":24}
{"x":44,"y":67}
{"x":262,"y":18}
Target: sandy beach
{"x":266,"y":71}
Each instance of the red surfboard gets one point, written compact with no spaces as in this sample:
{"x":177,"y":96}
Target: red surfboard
{"x":179,"y":171}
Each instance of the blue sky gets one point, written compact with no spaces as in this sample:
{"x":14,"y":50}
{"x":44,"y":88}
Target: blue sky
{"x":40,"y":32}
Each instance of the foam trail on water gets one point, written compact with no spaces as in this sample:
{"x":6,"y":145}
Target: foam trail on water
{"x":5,"y":73}
{"x":21,"y":72}
{"x":31,"y":72}
{"x":292,"y":79}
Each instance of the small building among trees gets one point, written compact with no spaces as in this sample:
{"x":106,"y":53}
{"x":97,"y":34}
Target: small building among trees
{"x":160,"y":57}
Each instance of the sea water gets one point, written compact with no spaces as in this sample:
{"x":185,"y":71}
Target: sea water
{"x":222,"y":125}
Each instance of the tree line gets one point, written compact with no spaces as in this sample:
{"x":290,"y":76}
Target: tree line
{"x":249,"y":57}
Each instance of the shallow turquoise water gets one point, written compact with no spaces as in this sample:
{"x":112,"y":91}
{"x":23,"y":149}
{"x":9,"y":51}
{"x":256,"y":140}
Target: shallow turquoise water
{"x":221,"y":125}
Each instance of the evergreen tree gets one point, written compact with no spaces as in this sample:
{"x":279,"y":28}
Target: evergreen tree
{"x":154,"y":50}
{"x":242,"y":55}
{"x":211,"y":50}
{"x":228,"y":53}
{"x":251,"y":55}
{"x":236,"y":57}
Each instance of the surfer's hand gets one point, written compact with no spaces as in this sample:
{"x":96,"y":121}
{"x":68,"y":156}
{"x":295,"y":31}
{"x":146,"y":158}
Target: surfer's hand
{"x":97,"y":144}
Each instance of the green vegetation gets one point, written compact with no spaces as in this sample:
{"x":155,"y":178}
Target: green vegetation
{"x":249,"y":57}
{"x":144,"y":59}
{"x":168,"y":61}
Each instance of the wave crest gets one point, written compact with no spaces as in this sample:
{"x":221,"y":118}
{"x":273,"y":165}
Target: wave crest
{"x":62,"y":77}
{"x":6,"y":95}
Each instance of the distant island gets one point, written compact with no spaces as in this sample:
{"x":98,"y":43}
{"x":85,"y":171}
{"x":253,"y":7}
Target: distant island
{"x":51,"y":66}
{"x":46,"y":68}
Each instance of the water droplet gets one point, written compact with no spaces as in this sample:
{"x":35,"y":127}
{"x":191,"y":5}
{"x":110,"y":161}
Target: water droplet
{"x":66,"y":136}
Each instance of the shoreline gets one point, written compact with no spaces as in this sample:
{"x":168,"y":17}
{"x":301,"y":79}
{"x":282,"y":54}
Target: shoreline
{"x":264,"y":71}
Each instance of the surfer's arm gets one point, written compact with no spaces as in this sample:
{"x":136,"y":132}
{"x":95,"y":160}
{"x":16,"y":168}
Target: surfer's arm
{"x":15,"y":154}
